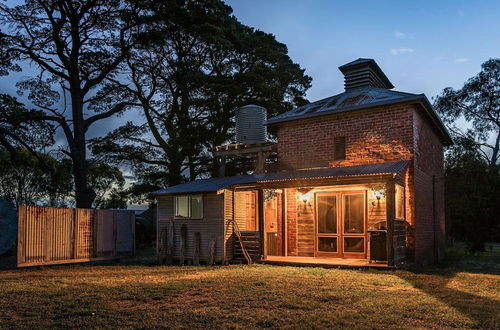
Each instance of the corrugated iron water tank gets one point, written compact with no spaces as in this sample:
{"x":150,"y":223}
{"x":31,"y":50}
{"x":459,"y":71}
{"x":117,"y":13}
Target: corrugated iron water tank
{"x":250,"y":124}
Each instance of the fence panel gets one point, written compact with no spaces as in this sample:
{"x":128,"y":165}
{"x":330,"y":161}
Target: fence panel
{"x":51,"y":235}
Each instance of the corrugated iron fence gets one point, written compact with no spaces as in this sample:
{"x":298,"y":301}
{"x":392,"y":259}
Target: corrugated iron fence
{"x":54,"y":235}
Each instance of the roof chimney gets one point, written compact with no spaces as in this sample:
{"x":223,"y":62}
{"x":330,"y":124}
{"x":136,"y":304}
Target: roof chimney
{"x":364,"y":72}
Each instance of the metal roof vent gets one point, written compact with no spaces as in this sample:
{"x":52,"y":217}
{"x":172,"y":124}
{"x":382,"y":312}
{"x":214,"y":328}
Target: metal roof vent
{"x":250,"y":124}
{"x":364,"y":72}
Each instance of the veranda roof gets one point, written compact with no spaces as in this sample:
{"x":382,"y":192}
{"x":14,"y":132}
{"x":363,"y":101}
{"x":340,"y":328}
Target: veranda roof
{"x":215,"y":184}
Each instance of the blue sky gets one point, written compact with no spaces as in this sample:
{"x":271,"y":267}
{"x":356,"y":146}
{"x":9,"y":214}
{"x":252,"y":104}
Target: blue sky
{"x":422,"y":46}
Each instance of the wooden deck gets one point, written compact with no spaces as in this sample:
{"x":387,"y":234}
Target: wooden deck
{"x":323,"y":262}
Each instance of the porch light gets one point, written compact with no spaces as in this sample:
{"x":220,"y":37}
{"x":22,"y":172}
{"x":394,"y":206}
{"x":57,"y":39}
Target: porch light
{"x":378,"y":192}
{"x":305,"y":194}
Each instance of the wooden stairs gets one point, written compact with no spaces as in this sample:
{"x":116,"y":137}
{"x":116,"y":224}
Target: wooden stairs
{"x":251,"y":242}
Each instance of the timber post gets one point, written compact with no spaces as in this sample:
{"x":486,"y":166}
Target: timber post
{"x":260,"y":206}
{"x":169,"y":251}
{"x":390,"y":203}
{"x":211,"y":252}
{"x":183,"y":244}
{"x":196,"y":249}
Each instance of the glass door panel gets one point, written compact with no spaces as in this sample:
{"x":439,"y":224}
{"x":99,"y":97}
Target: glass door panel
{"x":327,"y":214}
{"x":327,"y":244}
{"x":354,"y":244}
{"x":354,"y":214}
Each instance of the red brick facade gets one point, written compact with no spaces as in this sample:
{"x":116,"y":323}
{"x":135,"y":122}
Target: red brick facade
{"x":391,"y":133}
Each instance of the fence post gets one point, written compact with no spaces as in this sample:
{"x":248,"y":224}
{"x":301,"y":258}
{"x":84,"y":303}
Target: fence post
{"x":21,"y":216}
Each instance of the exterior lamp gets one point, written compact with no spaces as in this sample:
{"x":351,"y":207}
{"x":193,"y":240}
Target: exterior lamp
{"x":305,"y":194}
{"x":378,"y":193}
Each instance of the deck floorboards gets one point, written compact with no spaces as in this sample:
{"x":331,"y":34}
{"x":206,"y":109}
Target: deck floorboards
{"x":323,"y":262}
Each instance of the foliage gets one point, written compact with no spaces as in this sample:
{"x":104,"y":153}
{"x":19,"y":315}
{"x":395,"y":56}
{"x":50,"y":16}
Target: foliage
{"x":75,"y":46}
{"x":478,"y":101}
{"x":472,"y":196}
{"x":187,"y":81}
{"x":24,"y":181}
{"x":108,"y":182}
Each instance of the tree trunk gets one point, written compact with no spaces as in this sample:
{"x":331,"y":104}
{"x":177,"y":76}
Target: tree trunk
{"x":84,"y":195}
{"x":496,"y":150}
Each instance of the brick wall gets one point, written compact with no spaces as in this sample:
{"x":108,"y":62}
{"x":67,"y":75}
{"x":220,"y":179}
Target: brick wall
{"x":376,"y":135}
{"x":381,"y":134}
{"x":429,"y":204}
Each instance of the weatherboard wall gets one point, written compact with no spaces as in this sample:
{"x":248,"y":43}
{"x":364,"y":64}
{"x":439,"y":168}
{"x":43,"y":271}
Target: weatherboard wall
{"x":211,"y":226}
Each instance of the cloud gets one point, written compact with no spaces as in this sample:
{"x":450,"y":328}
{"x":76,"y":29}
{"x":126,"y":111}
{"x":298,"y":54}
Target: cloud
{"x":401,"y":50}
{"x":461,"y":60}
{"x":402,"y":35}
{"x":399,"y":35}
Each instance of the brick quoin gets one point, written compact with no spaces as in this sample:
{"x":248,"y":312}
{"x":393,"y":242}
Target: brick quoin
{"x":376,"y":135}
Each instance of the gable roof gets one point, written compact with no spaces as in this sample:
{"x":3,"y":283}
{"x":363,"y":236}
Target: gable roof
{"x":215,"y":184}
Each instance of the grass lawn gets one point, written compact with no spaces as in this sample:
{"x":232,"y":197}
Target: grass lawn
{"x":247,"y":297}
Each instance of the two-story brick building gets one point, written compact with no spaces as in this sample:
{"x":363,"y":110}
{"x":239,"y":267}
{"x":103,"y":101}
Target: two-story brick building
{"x":359,"y":179}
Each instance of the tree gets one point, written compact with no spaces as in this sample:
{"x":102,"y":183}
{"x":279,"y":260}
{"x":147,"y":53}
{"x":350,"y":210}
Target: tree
{"x":188,"y":83}
{"x":76,"y":46}
{"x":108,"y":182}
{"x":471,"y":194}
{"x":478,"y":101}
{"x":24,"y":181}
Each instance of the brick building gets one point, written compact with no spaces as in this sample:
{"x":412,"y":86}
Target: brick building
{"x":355,"y":170}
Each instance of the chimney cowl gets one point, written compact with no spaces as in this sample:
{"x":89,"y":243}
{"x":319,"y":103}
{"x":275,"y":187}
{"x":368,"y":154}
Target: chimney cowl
{"x":364,"y":72}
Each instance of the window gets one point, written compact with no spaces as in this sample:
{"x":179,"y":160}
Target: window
{"x":339,"y":145}
{"x":188,"y":206}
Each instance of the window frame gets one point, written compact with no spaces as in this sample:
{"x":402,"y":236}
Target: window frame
{"x":190,"y":211}
{"x":339,"y":148}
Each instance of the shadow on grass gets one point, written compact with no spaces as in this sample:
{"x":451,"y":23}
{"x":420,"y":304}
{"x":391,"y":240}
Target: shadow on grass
{"x":436,"y":283}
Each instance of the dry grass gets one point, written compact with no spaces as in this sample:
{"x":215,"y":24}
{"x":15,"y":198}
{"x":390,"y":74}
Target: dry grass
{"x":132,"y":296}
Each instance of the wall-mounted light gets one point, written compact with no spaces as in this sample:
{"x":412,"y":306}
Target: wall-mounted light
{"x":304,"y":194}
{"x":378,"y":192}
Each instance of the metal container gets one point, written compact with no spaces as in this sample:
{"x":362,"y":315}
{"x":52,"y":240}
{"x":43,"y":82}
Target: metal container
{"x":378,"y":245}
{"x":250,"y":124}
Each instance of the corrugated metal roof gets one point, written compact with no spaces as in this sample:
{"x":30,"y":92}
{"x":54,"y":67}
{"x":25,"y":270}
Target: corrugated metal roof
{"x":354,"y":99}
{"x":208,"y":185}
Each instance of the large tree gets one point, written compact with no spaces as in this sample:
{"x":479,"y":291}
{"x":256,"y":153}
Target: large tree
{"x":188,"y":82}
{"x":478,"y":101}
{"x":74,"y":46}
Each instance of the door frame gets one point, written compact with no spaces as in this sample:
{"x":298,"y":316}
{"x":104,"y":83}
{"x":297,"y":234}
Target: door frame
{"x":340,"y":225}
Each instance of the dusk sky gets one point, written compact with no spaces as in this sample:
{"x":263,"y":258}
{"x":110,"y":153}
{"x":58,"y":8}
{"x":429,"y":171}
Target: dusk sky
{"x":422,"y":46}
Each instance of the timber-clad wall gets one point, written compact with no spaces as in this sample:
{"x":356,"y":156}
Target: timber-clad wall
{"x":229,"y":197}
{"x":55,"y":235}
{"x":399,"y":240}
{"x":211,"y":226}
{"x":301,"y":217}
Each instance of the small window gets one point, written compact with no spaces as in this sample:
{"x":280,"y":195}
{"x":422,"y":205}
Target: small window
{"x":189,"y":206}
{"x":339,"y":144}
